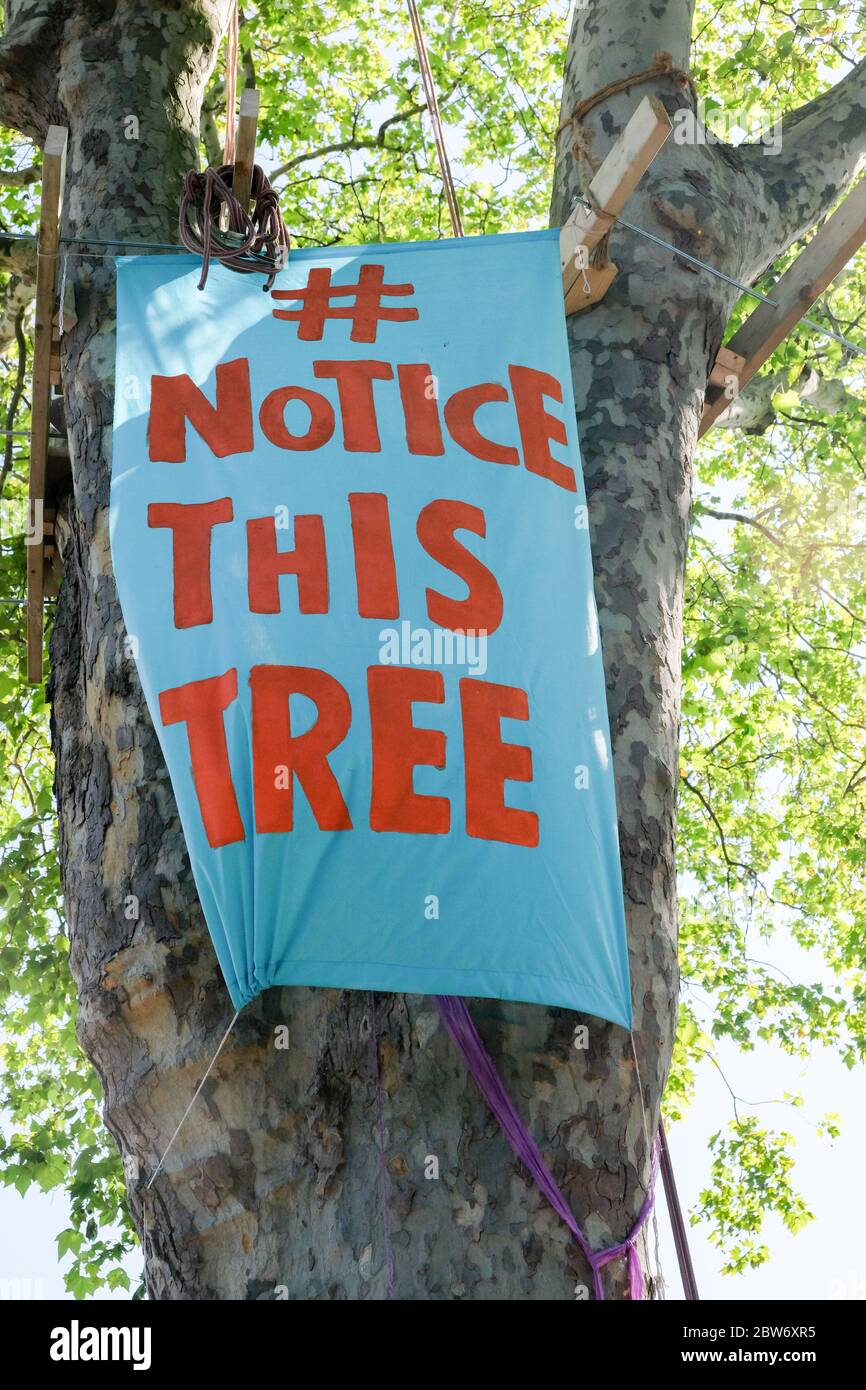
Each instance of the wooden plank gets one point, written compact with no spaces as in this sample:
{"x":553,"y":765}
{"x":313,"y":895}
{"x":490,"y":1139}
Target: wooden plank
{"x":829,"y":251}
{"x":245,"y":156}
{"x":727,"y":364}
{"x":55,"y":361}
{"x":613,"y":184}
{"x":53,"y":175}
{"x":599,"y":279}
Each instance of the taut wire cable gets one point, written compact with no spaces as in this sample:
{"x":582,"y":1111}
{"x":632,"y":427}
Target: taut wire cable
{"x":621,"y":221}
{"x":435,"y":118}
{"x":195,"y":1097}
{"x":678,"y":1225}
{"x":729,"y":279}
{"x":61,"y":295}
{"x":681,"y":1241}
{"x":145,"y":1230}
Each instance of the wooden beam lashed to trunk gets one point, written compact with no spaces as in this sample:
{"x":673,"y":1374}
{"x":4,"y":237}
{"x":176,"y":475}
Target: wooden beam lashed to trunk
{"x":727,"y":365}
{"x":245,"y":155}
{"x":610,"y":190}
{"x":53,"y":174}
{"x":830,"y":249}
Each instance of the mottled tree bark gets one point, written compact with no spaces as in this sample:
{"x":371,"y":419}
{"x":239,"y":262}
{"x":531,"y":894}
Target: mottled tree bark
{"x":274,"y":1187}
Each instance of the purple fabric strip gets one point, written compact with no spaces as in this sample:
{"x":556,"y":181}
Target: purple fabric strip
{"x":455,"y":1014}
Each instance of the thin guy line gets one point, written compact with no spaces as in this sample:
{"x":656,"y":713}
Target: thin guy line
{"x":622,"y":221}
{"x":192,"y":1102}
{"x":729,"y":279}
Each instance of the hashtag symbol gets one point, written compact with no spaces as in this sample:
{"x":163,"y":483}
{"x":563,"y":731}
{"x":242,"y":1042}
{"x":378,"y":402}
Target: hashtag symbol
{"x":365,"y":313}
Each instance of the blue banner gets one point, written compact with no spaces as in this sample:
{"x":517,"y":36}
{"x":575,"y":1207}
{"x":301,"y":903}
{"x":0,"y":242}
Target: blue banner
{"x":349,"y":532}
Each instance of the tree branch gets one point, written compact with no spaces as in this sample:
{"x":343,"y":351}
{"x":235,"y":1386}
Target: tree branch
{"x":19,"y":178}
{"x":18,"y":257}
{"x":17,"y":297}
{"x":745,"y":521}
{"x":18,"y":260}
{"x":723,"y":844}
{"x":248,"y":66}
{"x":210,"y":138}
{"x":375,"y":142}
{"x":754,"y":411}
{"x":27,"y":102}
{"x":823,"y":149}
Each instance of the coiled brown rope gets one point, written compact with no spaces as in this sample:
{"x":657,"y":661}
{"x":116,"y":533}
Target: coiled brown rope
{"x":662,"y":65}
{"x":252,"y":241}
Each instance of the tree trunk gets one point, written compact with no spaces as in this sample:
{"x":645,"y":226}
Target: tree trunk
{"x":275,"y":1186}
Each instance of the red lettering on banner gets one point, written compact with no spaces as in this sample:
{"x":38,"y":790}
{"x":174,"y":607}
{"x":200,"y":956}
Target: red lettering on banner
{"x":226,"y":428}
{"x":375,"y":571}
{"x":460,"y":411}
{"x":265,"y":564}
{"x":537,"y":427}
{"x":420,"y":409}
{"x":279,"y":756}
{"x":399,"y":747}
{"x":191,"y":524}
{"x":200,"y":705}
{"x":489,"y":763}
{"x":273,"y":423}
{"x":365,"y":314}
{"x":481,"y":610}
{"x":357,"y":407}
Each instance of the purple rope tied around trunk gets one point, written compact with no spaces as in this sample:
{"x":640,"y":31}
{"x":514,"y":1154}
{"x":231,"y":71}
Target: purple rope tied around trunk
{"x":455,"y":1014}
